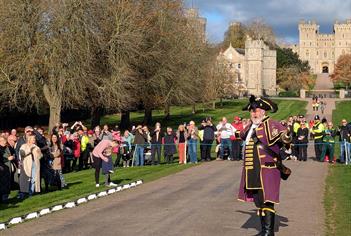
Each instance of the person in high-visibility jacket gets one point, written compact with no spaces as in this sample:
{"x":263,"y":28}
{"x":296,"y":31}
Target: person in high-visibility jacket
{"x":85,"y":149}
{"x":296,"y":126}
{"x":328,"y":142}
{"x":317,"y":131}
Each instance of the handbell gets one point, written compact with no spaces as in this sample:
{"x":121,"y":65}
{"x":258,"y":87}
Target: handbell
{"x":285,"y":137}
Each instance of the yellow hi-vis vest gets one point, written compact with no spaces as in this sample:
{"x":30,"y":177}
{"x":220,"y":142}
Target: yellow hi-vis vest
{"x":318,"y":129}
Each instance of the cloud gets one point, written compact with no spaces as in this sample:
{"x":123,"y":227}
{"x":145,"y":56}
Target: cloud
{"x":282,"y":15}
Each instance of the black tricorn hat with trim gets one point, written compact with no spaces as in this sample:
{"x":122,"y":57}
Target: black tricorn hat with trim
{"x":262,"y":103}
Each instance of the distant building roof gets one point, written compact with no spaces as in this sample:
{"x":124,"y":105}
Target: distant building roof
{"x":240,"y":50}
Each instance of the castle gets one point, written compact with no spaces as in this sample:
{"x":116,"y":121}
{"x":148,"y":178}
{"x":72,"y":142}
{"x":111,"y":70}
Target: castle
{"x":197,"y":22}
{"x":254,"y":67}
{"x":323,"y":50}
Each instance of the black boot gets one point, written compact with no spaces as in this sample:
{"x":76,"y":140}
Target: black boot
{"x":259,"y":213}
{"x":267,"y":220}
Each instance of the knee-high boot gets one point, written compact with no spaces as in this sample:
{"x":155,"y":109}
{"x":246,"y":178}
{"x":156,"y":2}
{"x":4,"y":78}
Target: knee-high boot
{"x":267,"y":221}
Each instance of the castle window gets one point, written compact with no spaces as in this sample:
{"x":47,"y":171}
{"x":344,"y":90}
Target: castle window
{"x":239,"y":66}
{"x":339,"y":43}
{"x":310,"y":43}
{"x":307,"y":53}
{"x":325,"y":54}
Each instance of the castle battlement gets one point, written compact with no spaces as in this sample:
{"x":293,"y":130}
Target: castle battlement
{"x":325,"y":37}
{"x":346,"y":22}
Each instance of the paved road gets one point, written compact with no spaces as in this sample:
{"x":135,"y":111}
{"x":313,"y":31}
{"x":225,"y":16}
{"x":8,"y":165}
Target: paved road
{"x":323,"y":82}
{"x":197,"y":201}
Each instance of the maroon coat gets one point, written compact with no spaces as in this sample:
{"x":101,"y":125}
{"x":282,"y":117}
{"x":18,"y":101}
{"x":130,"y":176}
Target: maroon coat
{"x":268,"y":133}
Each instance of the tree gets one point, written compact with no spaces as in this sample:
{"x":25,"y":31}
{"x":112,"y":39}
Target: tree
{"x":109,"y":55}
{"x":292,"y":73}
{"x":235,"y":35}
{"x":286,"y":58}
{"x":342,"y":71}
{"x":169,"y":71}
{"x":47,"y":50}
{"x":66,"y":54}
{"x":120,"y":44}
{"x":258,"y":29}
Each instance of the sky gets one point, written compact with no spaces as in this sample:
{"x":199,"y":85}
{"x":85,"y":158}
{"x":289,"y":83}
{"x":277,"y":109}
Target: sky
{"x":282,"y":15}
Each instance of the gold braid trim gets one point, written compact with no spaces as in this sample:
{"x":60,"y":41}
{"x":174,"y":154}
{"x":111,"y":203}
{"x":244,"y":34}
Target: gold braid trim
{"x":267,"y":209}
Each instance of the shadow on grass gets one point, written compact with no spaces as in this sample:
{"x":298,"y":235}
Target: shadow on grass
{"x":73,"y":183}
{"x":118,"y":181}
{"x":254,"y":221}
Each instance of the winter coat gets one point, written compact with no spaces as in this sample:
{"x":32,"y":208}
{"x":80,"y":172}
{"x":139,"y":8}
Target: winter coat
{"x":209,"y":132}
{"x":169,"y":144}
{"x":29,"y":153}
{"x":178,"y":135}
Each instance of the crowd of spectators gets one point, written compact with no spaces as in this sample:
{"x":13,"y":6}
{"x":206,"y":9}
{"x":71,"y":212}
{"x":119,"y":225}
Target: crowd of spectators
{"x":32,"y":160}
{"x":324,"y":134}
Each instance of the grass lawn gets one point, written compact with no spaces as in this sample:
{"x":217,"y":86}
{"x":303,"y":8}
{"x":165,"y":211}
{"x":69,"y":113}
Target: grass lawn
{"x":337,"y":200}
{"x":230,"y":108}
{"x":337,"y":197}
{"x":342,"y":111}
{"x":82,"y":183}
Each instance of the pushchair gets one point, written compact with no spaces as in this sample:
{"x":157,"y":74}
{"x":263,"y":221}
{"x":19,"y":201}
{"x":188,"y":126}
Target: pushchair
{"x":125,"y":154}
{"x":226,"y":152}
{"x":147,"y":155}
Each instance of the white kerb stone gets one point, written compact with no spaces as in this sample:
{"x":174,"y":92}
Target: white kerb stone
{"x":119,"y":188}
{"x":57,"y":208}
{"x":139,"y":182}
{"x":2,"y":226}
{"x":132,"y":185}
{"x":111,"y":191}
{"x":102,"y":194}
{"x":15,"y":220}
{"x":70,"y":205}
{"x":81,"y":200}
{"x":126,"y":186}
{"x":32,"y":216}
{"x":92,"y":197}
{"x":44,"y":211}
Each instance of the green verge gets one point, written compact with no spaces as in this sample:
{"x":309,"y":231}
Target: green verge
{"x":342,"y":111}
{"x":82,"y":183}
{"x":337,"y":201}
{"x":337,"y":195}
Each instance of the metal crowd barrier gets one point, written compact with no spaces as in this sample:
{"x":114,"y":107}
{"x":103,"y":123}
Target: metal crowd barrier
{"x":347,"y":153}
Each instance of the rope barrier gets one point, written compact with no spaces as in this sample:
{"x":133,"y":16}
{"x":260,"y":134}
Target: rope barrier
{"x":242,"y":144}
{"x":347,"y":147}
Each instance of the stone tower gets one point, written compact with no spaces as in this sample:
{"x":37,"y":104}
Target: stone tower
{"x":198,"y":23}
{"x":260,"y":69}
{"x":308,"y":32}
{"x":322,"y":51}
{"x":342,"y":38}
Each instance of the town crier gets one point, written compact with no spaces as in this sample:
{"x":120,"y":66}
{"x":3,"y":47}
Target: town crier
{"x":263,"y":168}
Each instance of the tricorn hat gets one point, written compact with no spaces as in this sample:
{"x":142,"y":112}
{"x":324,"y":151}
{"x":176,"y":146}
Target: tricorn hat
{"x":262,"y":103}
